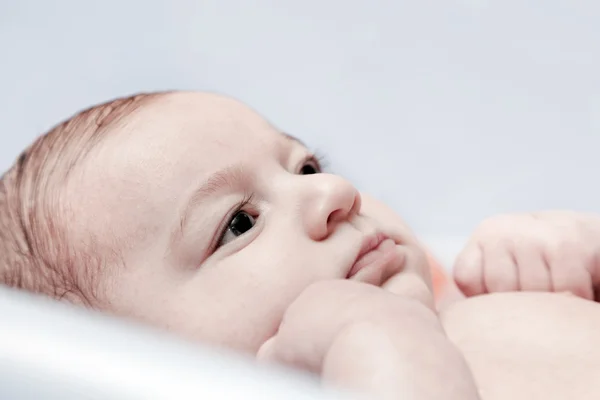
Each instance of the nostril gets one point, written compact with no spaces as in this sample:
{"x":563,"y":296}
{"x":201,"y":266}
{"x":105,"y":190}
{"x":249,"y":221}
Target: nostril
{"x":335,"y":216}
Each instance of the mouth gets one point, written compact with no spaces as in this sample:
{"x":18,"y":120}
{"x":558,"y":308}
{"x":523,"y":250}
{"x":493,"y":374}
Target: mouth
{"x":376,"y":252}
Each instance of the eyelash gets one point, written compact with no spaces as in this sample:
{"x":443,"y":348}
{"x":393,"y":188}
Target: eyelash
{"x":319,"y":159}
{"x":240,"y":206}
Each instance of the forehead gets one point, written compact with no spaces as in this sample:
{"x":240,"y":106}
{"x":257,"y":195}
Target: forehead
{"x":193,"y":134}
{"x":202,"y":118}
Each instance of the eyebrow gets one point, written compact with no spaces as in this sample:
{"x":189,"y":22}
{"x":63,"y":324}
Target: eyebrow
{"x":230,"y":177}
{"x":293,"y":139}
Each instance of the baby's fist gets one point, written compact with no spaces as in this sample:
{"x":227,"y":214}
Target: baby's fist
{"x":324,"y":310}
{"x":546,"y":251}
{"x":371,"y":340}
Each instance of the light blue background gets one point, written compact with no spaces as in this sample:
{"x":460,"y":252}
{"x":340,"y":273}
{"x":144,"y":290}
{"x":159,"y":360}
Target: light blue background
{"x":449,"y":110}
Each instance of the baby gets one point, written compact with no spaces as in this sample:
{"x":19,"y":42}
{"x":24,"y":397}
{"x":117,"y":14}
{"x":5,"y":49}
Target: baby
{"x":190,"y":212}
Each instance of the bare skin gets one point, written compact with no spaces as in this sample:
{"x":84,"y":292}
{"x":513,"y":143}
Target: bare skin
{"x":530,"y":327}
{"x":228,"y":232}
{"x":529,"y":345}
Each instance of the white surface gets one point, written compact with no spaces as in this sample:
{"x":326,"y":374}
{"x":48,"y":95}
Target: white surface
{"x":50,"y":351}
{"x":450,"y":110}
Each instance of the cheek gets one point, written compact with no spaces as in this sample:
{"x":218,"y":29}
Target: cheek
{"x":238,"y":302}
{"x":380,"y":212}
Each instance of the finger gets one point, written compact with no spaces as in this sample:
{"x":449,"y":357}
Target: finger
{"x":415,"y":262}
{"x":533,"y":270}
{"x":568,"y":273}
{"x":266,"y":352}
{"x":499,"y":268}
{"x":410,"y":285}
{"x":311,"y":322}
{"x":468,"y":270}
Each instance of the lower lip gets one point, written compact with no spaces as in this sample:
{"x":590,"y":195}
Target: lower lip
{"x":375,"y":256}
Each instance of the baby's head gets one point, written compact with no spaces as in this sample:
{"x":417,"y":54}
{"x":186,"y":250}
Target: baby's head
{"x":190,"y":212}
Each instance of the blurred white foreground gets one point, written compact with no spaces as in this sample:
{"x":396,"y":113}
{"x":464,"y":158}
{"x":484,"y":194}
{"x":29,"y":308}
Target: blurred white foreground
{"x":53,"y":351}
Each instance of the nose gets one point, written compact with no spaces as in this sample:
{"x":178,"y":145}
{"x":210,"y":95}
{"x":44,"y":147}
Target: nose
{"x":327,"y":201}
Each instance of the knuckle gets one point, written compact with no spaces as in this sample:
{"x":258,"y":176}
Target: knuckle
{"x":465,"y":266}
{"x":571,"y":251}
{"x":568,"y":246}
{"x":464,"y":275}
{"x":490,"y":224}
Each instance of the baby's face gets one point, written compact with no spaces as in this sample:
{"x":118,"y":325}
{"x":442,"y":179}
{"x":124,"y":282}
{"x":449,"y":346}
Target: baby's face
{"x":222,"y":221}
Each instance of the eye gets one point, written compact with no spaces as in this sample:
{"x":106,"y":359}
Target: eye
{"x":240,"y":223}
{"x":310,"y":166}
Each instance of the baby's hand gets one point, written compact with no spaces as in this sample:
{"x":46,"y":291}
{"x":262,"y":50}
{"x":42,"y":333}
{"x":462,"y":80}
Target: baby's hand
{"x":547,"y":251}
{"x":371,"y":340}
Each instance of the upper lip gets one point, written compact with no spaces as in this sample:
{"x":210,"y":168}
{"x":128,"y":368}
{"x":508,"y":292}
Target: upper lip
{"x":369,"y":243}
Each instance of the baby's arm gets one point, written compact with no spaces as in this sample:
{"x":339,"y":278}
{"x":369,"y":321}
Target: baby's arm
{"x":367,"y":359}
{"x":371,"y":341}
{"x":554,"y":251}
